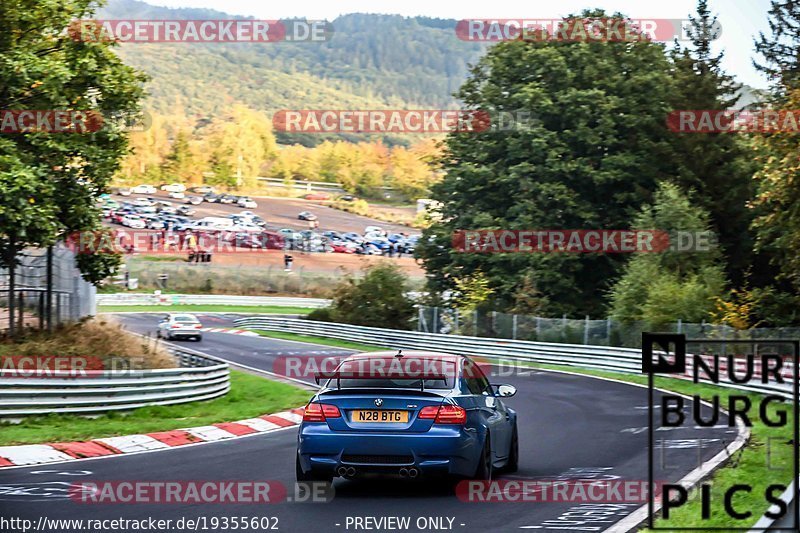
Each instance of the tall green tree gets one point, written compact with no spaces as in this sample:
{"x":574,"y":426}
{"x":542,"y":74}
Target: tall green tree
{"x":589,"y":157}
{"x":54,"y":179}
{"x":717,"y":166}
{"x":780,"y":49}
{"x":659,"y":288}
{"x":777,"y":203}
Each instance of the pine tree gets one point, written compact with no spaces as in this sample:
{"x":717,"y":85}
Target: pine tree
{"x":781,"y":49}
{"x":716,"y":166}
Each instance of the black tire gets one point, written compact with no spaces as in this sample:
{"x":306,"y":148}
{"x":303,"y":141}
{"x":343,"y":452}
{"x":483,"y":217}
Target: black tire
{"x":485,"y":467}
{"x":513,"y":453}
{"x":310,"y":476}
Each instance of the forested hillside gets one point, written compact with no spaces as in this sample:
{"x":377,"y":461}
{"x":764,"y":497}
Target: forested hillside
{"x":371,"y":60}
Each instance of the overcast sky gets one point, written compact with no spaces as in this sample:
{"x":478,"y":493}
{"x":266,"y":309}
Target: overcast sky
{"x":741,"y":20}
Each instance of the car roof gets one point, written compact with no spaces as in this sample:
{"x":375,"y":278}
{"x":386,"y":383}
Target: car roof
{"x":419,"y":354}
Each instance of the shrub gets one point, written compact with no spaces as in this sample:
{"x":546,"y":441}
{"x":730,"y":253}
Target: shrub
{"x":378,"y":299}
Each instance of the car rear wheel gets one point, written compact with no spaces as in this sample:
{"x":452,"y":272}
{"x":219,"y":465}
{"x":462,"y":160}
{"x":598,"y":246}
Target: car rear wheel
{"x":484,"y":470}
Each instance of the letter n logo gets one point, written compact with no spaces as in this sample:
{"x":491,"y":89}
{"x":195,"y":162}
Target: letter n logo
{"x":663,"y":353}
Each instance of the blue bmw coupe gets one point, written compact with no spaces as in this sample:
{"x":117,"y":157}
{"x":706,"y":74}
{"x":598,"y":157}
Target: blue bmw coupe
{"x":407,"y":414}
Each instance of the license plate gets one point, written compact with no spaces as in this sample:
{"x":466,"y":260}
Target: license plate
{"x":380,"y":416}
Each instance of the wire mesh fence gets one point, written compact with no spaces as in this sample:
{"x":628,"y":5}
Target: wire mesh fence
{"x":605,"y":332}
{"x":67,"y":299}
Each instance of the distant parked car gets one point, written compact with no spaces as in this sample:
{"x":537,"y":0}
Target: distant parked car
{"x":143,"y":189}
{"x":290,"y":234}
{"x":317,"y":196}
{"x":202,"y":189}
{"x":247,"y":202}
{"x":194,"y":200}
{"x":374,"y":229}
{"x":228,"y":199}
{"x":173,"y":187}
{"x":141,"y":202}
{"x":124,"y":191}
{"x":306,"y":215}
{"x":352,"y":236}
{"x":344,"y":247}
{"x":332,"y":235}
{"x":347,"y":198}
{"x":178,"y":195}
{"x":186,"y":210}
{"x":133,"y":221}
{"x":211,"y":197}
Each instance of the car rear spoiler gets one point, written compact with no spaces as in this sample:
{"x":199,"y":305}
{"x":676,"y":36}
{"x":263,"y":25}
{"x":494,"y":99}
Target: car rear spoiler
{"x":361,"y":374}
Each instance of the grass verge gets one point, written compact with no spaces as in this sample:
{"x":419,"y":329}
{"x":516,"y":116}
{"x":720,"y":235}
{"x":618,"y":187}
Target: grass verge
{"x":250,"y":396}
{"x":768,"y":449}
{"x":324,"y":341}
{"x":187,"y":308}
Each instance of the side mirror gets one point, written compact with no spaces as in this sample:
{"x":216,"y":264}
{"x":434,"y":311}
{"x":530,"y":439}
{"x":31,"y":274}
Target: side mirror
{"x":505,"y":391}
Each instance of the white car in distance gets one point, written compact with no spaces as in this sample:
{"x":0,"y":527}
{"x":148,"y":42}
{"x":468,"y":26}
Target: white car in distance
{"x":143,"y":189}
{"x":249,"y":203}
{"x":174,"y":187}
{"x":132,"y":221}
{"x":141,"y":202}
{"x":179,"y":326}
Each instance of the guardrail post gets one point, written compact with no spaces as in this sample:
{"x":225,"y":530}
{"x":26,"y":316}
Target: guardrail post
{"x":608,"y":331}
{"x":680,"y":325}
{"x":538,"y":327}
{"x":514,"y":327}
{"x":586,"y":330}
{"x":422,"y":323}
{"x":435,"y":326}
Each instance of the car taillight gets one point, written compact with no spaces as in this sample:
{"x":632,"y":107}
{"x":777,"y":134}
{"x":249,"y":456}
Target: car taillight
{"x":197,"y":326}
{"x":445,"y":414}
{"x":175,"y":326}
{"x":319,"y":412}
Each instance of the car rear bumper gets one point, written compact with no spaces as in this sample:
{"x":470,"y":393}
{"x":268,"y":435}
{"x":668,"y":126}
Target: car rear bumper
{"x":442,"y":450}
{"x":185,"y":333}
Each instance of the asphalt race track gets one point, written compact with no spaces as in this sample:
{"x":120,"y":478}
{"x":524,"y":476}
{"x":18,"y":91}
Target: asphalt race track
{"x":569,"y":427}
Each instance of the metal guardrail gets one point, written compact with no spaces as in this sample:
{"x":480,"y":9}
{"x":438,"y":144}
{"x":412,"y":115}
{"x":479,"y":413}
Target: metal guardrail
{"x":627,"y":360}
{"x":198,"y":378}
{"x":207,"y":299}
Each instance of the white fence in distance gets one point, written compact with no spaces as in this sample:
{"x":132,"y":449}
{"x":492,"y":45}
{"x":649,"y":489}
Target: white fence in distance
{"x":134,"y":299}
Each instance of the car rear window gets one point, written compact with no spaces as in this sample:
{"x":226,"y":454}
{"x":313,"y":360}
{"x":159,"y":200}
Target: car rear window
{"x":185,"y":318}
{"x":388,"y":373}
